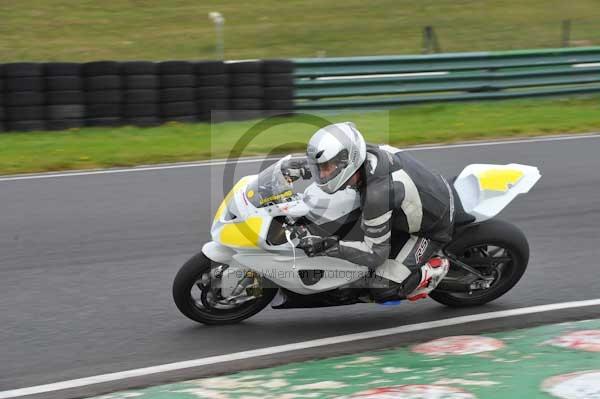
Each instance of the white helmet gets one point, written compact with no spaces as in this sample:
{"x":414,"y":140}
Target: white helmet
{"x":334,"y":154}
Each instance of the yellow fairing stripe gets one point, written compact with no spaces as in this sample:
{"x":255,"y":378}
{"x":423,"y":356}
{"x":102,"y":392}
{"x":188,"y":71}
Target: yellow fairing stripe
{"x":242,"y":234}
{"x":227,"y":198}
{"x":499,"y":179}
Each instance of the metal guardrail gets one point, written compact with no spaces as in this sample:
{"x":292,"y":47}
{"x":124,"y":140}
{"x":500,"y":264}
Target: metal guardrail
{"x":347,"y":82}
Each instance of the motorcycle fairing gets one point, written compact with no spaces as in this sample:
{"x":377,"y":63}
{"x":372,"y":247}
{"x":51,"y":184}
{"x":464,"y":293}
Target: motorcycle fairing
{"x":485,"y":189}
{"x":241,"y":224}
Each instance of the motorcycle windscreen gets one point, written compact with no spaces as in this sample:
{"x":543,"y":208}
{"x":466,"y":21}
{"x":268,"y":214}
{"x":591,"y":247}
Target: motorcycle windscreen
{"x":271,"y":186}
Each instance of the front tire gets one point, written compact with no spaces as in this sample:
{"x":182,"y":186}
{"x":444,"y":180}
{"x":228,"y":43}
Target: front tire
{"x":495,"y":234}
{"x":190,"y":275}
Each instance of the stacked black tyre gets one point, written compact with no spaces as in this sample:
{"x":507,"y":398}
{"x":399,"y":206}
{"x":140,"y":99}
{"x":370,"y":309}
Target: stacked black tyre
{"x":65,"y":98}
{"x":103,"y":93}
{"x":278,"y":83}
{"x":141,"y":98}
{"x":212,"y":92}
{"x":63,"y":95}
{"x":24,"y":96}
{"x":177,"y":91}
{"x":246,"y":89}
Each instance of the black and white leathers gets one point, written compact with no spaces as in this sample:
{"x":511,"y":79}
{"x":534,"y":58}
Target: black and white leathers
{"x":399,"y":195}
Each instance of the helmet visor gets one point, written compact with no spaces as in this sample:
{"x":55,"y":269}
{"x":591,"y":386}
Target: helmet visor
{"x":324,"y":172}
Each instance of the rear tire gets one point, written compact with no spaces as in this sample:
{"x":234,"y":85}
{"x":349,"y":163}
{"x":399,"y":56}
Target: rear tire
{"x":494,"y":233}
{"x":185,"y":280}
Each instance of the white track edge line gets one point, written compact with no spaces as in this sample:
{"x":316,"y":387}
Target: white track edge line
{"x":133,"y":169}
{"x":103,"y":378}
{"x":252,"y":160}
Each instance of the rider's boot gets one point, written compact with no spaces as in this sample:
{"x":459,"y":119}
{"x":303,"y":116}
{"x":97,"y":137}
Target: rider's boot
{"x":432,"y":273}
{"x":416,"y":286}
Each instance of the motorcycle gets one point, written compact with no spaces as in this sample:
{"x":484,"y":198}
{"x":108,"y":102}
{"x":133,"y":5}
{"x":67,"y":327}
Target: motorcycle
{"x":252,"y":260}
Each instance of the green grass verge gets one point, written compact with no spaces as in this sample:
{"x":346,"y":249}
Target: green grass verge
{"x":125,"y":146}
{"x":82,"y":30}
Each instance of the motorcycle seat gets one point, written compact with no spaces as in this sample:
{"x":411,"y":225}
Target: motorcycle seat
{"x":461,"y":217}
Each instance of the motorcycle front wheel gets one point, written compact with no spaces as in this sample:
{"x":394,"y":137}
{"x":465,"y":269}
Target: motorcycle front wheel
{"x":192,"y":293}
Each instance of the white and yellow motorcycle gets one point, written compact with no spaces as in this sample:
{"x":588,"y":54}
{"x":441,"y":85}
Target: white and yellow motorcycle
{"x":253,"y":261}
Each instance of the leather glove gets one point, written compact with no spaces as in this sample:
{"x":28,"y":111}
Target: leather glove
{"x":295,"y":169}
{"x":313,"y":245}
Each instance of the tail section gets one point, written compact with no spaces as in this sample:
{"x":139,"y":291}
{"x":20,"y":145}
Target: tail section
{"x":486,"y":189}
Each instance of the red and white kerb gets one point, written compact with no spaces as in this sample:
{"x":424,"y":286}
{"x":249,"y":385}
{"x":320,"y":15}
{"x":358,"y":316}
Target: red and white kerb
{"x":458,"y":345}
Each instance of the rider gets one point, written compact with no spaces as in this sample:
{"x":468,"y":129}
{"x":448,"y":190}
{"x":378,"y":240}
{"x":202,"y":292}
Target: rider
{"x":407,"y":211}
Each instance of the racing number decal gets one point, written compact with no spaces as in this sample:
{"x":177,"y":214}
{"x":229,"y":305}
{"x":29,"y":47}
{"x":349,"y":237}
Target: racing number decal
{"x":499,"y":179}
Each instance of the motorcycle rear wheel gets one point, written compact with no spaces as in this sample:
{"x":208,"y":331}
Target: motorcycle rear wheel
{"x":190,"y":276}
{"x":471,"y":247}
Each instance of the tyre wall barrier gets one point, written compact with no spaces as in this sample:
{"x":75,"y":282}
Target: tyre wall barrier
{"x":63,"y":95}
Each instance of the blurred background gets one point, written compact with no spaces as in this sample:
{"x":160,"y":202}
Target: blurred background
{"x":102,"y":75}
{"x":87,"y":30}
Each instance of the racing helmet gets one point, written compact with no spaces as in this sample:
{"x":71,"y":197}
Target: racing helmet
{"x":335,"y":153}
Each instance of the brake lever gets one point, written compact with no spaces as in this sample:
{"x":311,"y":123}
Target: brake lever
{"x":288,"y":236}
{"x":292,"y":231}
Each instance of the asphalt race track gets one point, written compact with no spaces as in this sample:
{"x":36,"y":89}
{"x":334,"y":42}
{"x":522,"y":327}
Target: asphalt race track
{"x":86,"y":263}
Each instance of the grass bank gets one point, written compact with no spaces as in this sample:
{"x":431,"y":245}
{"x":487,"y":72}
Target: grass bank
{"x":126,"y":146}
{"x":83,"y":30}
